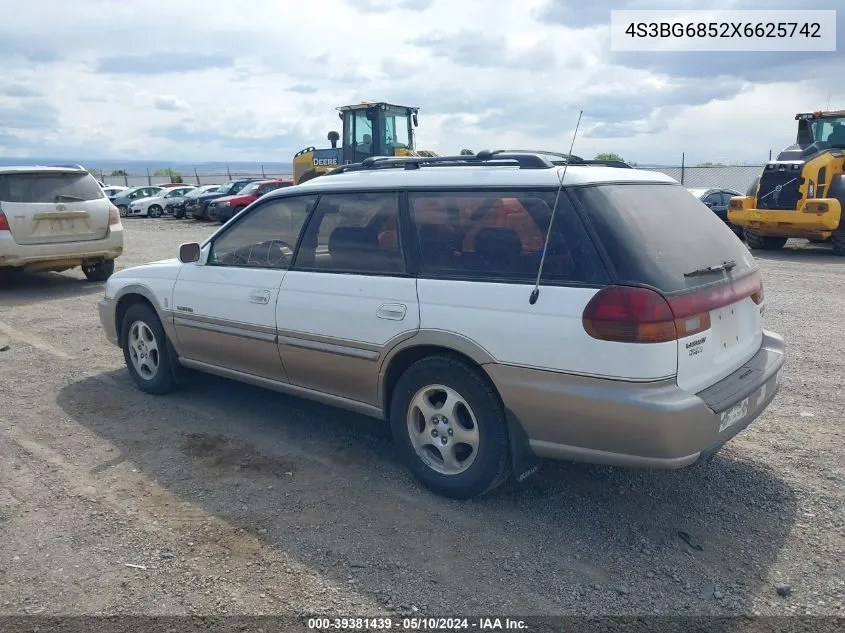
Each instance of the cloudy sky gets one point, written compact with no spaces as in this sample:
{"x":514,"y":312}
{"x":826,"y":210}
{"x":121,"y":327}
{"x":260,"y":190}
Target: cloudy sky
{"x":258,"y":80}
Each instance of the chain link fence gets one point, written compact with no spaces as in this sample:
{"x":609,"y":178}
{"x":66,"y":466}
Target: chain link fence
{"x":738,"y":177}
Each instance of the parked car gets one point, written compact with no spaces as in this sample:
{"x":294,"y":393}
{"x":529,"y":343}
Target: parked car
{"x":223,"y":209}
{"x":717,"y":200}
{"x":153,"y":206}
{"x":197,"y":208}
{"x":123,"y":199}
{"x":176,"y":207}
{"x":409,"y":295}
{"x":57,"y":218}
{"x":113,"y":190}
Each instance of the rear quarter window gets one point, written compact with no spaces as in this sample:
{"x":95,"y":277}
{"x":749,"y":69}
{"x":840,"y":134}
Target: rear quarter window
{"x":654,"y":233}
{"x":49,"y":188}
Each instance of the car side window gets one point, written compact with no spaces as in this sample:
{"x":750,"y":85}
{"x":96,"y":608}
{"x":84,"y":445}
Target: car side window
{"x":353,"y":233}
{"x":500,"y":236}
{"x":713,"y":199}
{"x":265,"y":237}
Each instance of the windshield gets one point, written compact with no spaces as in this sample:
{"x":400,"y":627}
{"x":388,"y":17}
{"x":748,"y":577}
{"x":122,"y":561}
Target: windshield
{"x":193,"y":193}
{"x":396,"y":127}
{"x":49,"y":187}
{"x":830,"y":130}
{"x":654,"y":233}
{"x":250,"y":188}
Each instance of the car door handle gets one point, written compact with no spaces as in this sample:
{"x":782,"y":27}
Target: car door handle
{"x":259,"y":296}
{"x":392,"y":311}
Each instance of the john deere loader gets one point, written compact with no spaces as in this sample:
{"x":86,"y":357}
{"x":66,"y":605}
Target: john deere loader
{"x":801,"y":194}
{"x":369,"y":129}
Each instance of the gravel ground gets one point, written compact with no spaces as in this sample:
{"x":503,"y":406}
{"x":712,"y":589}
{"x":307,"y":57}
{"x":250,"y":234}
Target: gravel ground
{"x":226,"y":499}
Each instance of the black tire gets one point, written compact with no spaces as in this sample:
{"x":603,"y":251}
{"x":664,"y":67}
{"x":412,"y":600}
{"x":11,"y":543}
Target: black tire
{"x":766,"y":243}
{"x":154,"y":211}
{"x":163,"y":380}
{"x":837,"y":240}
{"x":490,"y":466}
{"x":99,"y":272}
{"x":123,"y":210}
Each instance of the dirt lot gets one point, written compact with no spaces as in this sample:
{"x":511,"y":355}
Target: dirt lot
{"x":226,"y":499}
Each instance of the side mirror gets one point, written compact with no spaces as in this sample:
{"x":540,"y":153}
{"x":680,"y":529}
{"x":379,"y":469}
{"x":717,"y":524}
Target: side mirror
{"x":189,"y":252}
{"x":414,"y":119}
{"x":709,"y":205}
{"x":340,"y":115}
{"x":333,"y":137}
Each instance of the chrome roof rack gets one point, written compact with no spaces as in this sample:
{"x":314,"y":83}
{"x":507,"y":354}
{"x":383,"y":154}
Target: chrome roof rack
{"x":524,"y":159}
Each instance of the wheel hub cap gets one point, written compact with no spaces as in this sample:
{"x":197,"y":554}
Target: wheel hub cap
{"x":443,"y":429}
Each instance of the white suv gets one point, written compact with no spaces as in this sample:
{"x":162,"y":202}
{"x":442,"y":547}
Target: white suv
{"x":404,"y":288}
{"x":57,"y":218}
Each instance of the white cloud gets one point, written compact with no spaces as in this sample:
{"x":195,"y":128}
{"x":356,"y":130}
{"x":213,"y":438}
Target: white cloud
{"x":115,"y":80}
{"x":170,"y":103}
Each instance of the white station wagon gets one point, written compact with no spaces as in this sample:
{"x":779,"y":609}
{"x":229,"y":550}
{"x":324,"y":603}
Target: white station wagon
{"x":409,"y":289}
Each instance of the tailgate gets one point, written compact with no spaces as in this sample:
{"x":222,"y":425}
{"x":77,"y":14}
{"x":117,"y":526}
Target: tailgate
{"x":662,"y":236}
{"x":53,"y":206}
{"x":56,"y":223}
{"x":734,"y":336}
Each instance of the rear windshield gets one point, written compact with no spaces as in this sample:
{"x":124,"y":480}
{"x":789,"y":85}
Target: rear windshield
{"x":654,"y":233}
{"x":44,"y":187}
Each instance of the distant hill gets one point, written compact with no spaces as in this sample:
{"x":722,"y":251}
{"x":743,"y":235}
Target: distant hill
{"x":107,"y":165}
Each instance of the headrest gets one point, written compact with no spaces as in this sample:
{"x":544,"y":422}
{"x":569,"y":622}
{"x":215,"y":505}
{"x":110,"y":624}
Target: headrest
{"x":498,"y":244}
{"x":352,"y":240}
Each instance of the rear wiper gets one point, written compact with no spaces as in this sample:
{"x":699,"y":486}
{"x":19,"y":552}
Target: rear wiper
{"x":69,"y":198}
{"x":728,"y":265}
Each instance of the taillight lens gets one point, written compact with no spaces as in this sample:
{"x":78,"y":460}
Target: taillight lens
{"x":638,"y":315}
{"x":4,"y":222}
{"x":631,"y":315}
{"x":114,"y":216}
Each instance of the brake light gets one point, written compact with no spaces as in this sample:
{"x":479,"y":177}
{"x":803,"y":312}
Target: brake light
{"x":114,"y":215}
{"x":4,"y":223}
{"x":638,"y":315}
{"x":630,"y":315}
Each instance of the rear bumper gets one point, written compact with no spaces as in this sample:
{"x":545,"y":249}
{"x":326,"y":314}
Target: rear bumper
{"x":798,"y":223}
{"x":654,"y":425}
{"x":61,"y":254}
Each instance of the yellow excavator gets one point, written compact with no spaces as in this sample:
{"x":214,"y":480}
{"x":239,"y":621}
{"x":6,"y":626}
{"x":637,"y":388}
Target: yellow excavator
{"x":369,"y":129}
{"x":800,"y":194}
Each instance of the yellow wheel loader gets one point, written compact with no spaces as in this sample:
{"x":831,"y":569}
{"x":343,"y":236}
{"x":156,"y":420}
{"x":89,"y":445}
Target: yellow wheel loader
{"x":801,"y":194}
{"x":369,"y":129}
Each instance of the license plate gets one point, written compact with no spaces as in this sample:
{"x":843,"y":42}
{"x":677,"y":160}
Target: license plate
{"x":734,"y":414}
{"x":61,"y":225}
{"x":755,"y":216}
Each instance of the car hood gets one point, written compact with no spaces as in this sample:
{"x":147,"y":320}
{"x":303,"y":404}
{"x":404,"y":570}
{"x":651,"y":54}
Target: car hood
{"x":235,"y":198}
{"x":210,"y":196}
{"x":159,"y":268}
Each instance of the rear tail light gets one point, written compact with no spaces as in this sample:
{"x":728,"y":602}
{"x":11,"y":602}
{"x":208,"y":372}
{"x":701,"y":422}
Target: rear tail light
{"x":638,"y":315}
{"x":735,"y":204}
{"x":114,"y":215}
{"x":4,"y":223}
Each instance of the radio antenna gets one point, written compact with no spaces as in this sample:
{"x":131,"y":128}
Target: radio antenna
{"x":535,"y":294}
